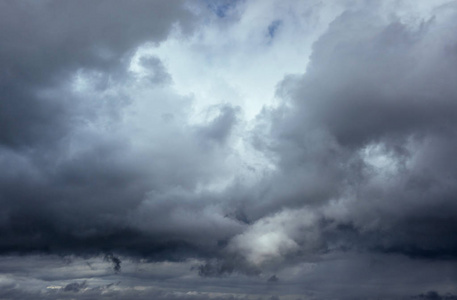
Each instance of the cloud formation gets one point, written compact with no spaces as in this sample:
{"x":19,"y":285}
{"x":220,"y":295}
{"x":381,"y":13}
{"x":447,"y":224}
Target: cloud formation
{"x":253,"y":148}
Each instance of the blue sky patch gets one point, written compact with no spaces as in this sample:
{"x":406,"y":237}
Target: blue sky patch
{"x":221,"y":7}
{"x":273,"y":28}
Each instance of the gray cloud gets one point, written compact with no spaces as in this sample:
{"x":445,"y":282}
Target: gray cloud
{"x":66,"y":188}
{"x":75,"y":287}
{"x":368,"y":130}
{"x":45,"y":41}
{"x":116,"y":261}
{"x":100,"y":160}
{"x":434,"y":295}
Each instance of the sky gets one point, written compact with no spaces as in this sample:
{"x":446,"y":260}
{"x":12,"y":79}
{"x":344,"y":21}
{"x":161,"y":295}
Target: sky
{"x":228,"y":150}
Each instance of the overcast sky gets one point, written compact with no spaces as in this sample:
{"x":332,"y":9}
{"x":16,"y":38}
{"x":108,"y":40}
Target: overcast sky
{"x":228,"y":150}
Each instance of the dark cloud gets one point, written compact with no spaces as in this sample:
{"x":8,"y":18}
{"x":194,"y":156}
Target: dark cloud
{"x":433,"y":295}
{"x":96,"y":159}
{"x":219,"y":129}
{"x":227,"y":266}
{"x":75,"y":287}
{"x":157,"y":72}
{"x":116,"y":261}
{"x":46,"y":41}
{"x":106,"y":292}
{"x":69,"y":188}
{"x":369,"y":130}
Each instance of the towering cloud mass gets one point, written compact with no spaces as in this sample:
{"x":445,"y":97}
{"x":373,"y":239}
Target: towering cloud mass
{"x":228,"y":149}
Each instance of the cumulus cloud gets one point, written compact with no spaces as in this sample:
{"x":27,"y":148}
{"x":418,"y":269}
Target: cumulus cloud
{"x":232,"y":141}
{"x":274,"y":237}
{"x":360,"y":129}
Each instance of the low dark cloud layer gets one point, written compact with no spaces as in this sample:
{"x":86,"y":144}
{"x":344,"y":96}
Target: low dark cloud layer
{"x":349,"y":179}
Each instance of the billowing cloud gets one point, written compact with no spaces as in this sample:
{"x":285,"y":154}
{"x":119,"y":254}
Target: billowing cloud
{"x":271,"y":238}
{"x":228,"y":150}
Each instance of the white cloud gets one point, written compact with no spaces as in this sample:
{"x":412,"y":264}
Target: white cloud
{"x":273,"y":238}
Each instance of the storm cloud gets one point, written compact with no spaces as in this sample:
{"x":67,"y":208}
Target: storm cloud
{"x":228,"y":149}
